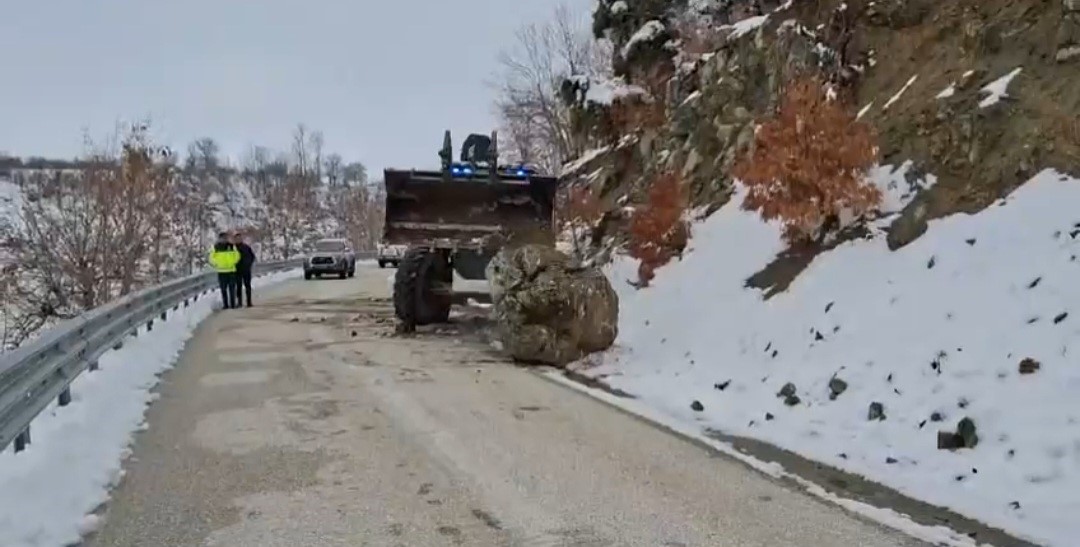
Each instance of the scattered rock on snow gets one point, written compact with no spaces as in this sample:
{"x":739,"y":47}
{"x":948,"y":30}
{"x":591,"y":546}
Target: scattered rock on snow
{"x":965,"y":436}
{"x":722,"y":385}
{"x":937,"y":417}
{"x":792,"y":400}
{"x":1060,"y":317}
{"x":836,"y":387}
{"x":787,"y":391}
{"x":966,"y":430}
{"x":696,"y":406}
{"x":1029,"y":366}
{"x":876,"y":412}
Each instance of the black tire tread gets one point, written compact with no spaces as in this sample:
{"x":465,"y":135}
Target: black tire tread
{"x":413,"y":303}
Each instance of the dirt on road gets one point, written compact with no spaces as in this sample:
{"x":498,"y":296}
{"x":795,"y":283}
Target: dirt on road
{"x":305,"y":422}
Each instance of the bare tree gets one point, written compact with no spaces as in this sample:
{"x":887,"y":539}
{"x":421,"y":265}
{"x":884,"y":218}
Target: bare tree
{"x":333,"y":166}
{"x":82,"y":240}
{"x":537,"y":121}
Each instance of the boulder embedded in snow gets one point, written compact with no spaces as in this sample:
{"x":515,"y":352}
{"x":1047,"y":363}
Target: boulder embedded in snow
{"x":1029,"y":366}
{"x":965,"y":436}
{"x":876,"y":412}
{"x":548,"y":309}
{"x":836,"y":387}
{"x":787,"y":391}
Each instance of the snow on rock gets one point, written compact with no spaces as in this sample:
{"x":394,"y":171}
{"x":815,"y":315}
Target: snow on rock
{"x":577,"y":165}
{"x":900,"y":93}
{"x":48,"y":491}
{"x":934,"y":332}
{"x":618,"y":7}
{"x":998,"y":88}
{"x":864,"y":110}
{"x":647,"y":33}
{"x":947,"y":92}
{"x":747,"y":26}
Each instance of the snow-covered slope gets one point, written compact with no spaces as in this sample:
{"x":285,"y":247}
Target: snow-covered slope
{"x":935,"y":330}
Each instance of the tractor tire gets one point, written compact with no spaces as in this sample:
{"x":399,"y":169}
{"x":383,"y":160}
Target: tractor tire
{"x":416,"y":300}
{"x":307,"y":276}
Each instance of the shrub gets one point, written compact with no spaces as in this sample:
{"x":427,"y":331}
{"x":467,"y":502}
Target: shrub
{"x":808,"y":164}
{"x":658,"y":231}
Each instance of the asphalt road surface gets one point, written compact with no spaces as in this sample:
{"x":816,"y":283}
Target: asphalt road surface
{"x":305,"y":422}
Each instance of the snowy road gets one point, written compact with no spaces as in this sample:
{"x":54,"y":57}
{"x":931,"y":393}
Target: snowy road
{"x":301,"y":422}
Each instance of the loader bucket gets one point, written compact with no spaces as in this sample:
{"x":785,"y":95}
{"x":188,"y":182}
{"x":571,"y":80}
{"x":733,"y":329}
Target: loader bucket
{"x":430,"y":208}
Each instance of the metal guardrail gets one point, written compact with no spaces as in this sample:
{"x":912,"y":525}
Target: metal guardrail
{"x":36,"y":373}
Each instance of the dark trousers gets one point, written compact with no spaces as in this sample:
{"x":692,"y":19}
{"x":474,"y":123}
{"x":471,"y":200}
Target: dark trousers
{"x":227,"y":284}
{"x":243,"y":284}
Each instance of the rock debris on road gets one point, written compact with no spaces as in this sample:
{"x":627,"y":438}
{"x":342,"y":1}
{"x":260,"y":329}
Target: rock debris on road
{"x":303,"y":422}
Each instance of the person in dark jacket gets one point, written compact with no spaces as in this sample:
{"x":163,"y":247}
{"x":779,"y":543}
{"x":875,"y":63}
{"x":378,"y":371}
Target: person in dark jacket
{"x":224,"y":258}
{"x":243,"y":268}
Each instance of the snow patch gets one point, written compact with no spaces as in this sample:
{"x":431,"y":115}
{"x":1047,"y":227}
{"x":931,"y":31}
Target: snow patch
{"x":900,"y":93}
{"x":947,"y":92}
{"x":998,"y":89}
{"x":586,"y":158}
{"x":747,"y":26}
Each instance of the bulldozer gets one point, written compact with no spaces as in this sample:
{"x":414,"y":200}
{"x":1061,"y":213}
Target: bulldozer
{"x":456,"y":218}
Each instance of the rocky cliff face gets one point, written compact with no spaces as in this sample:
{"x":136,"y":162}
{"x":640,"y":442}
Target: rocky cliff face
{"x":981,"y":94}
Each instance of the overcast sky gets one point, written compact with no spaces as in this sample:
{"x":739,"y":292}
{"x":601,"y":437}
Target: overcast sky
{"x":381,"y":79}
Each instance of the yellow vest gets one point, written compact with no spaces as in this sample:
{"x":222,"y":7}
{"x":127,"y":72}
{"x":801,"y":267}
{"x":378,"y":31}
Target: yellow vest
{"x":224,"y":261}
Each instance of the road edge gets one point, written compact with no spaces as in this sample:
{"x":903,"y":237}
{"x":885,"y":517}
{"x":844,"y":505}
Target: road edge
{"x":725,"y":446}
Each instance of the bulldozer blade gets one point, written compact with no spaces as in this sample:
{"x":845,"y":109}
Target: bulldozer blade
{"x":432,"y":209}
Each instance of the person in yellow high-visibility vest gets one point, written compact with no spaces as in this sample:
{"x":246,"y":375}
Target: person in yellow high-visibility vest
{"x":224,"y":257}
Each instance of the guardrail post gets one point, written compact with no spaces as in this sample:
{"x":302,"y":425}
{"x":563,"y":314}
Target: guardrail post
{"x":163,"y":315}
{"x":93,"y":365}
{"x":22,"y":439}
{"x":150,"y":325}
{"x":65,"y":397}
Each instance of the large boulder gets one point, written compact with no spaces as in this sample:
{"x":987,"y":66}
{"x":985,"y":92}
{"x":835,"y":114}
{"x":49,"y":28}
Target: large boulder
{"x":548,"y":309}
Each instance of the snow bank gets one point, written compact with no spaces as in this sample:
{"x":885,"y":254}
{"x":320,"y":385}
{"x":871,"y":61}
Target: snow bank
{"x":936,"y":329}
{"x":48,"y":491}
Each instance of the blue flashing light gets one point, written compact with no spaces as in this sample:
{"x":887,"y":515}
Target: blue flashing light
{"x":521,"y":172}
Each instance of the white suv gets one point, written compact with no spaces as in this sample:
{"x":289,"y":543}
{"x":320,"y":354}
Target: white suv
{"x":390,"y":254}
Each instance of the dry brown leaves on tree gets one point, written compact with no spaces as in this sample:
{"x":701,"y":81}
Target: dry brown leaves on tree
{"x":809,"y":163}
{"x":658,"y":231}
